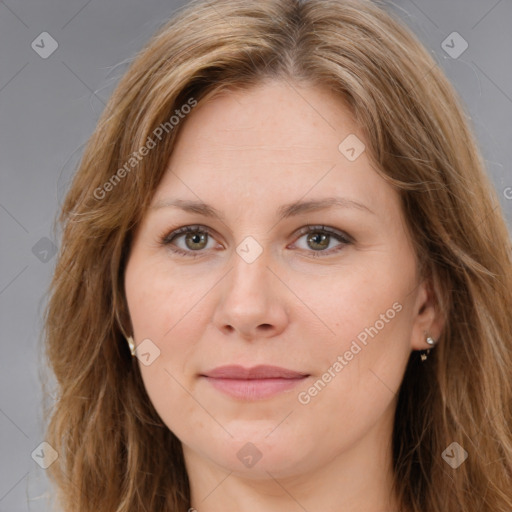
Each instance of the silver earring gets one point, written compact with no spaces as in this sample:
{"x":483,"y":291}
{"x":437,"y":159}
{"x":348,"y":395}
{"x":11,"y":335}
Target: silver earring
{"x":425,"y":354}
{"x":131,"y":344}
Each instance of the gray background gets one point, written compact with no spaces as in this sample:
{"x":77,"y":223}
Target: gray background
{"x":49,"y":108}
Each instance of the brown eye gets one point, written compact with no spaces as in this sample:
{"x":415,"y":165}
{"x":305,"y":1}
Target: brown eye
{"x":319,"y":238}
{"x":195,"y":239}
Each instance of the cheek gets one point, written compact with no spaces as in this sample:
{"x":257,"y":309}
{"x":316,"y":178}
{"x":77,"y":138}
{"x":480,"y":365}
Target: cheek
{"x":361,"y":363}
{"x":357,"y":381}
{"x":159,"y":298}
{"x":366,"y":303}
{"x":165,"y":310}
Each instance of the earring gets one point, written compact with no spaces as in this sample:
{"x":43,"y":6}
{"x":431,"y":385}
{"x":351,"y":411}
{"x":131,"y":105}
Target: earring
{"x":131,"y":344}
{"x":425,"y":354}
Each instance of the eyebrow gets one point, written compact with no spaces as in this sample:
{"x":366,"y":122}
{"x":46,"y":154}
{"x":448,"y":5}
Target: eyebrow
{"x":283,"y":212}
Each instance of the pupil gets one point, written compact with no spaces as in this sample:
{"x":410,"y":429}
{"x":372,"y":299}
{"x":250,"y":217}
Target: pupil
{"x":323,"y":238}
{"x":195,"y":238}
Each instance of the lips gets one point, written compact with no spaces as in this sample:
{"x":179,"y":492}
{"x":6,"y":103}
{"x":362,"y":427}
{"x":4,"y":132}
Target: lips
{"x":254,"y":383}
{"x":256,"y":372}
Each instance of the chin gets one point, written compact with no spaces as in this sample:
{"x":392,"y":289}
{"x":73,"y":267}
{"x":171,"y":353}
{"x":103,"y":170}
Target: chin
{"x":252,"y":455}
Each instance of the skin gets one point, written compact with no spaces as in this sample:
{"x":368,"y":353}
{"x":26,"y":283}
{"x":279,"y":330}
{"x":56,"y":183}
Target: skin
{"x":247,"y":153}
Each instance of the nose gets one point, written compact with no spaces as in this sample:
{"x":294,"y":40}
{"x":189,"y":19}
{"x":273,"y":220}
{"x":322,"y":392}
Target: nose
{"x":252,"y":301}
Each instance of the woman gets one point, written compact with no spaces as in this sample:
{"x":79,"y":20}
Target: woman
{"x":285,"y":280}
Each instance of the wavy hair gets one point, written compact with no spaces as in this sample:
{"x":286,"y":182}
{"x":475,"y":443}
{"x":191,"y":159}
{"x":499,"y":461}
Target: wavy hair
{"x":115,"y":453}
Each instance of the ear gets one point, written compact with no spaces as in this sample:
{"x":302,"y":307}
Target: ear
{"x":428,"y":320}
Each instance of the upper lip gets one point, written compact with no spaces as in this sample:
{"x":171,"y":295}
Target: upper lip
{"x":256,"y":372}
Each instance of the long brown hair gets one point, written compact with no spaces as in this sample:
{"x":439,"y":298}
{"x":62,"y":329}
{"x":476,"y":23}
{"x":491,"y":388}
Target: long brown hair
{"x":115,"y":453}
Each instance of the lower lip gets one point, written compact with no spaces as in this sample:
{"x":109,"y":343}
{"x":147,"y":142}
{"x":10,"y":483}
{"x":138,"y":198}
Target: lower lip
{"x":253,"y":389}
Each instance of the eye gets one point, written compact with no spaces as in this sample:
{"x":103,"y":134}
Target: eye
{"x":196,"y":238}
{"x":319,"y":239}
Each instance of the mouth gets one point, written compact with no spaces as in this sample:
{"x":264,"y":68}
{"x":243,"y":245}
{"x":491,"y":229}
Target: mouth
{"x":256,"y":383}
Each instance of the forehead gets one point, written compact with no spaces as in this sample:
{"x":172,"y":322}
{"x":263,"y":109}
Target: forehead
{"x":274,"y":114}
{"x":273,"y":143}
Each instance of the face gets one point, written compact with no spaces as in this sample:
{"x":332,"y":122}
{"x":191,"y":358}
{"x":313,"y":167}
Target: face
{"x":326,"y":290}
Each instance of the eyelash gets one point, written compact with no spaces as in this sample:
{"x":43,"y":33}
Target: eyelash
{"x":167,"y":239}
